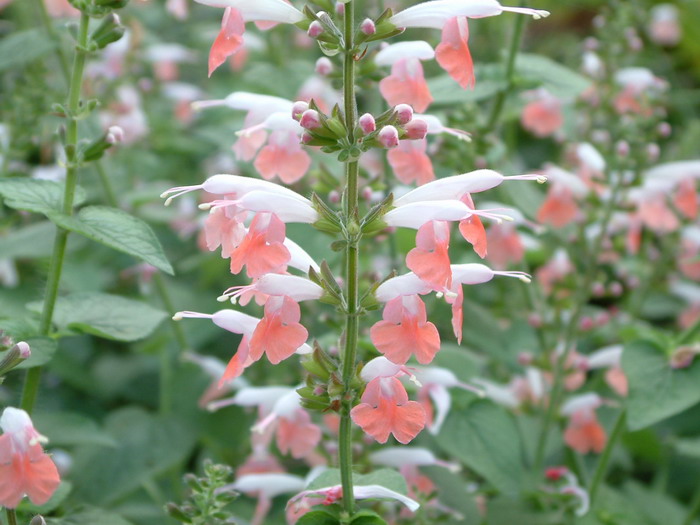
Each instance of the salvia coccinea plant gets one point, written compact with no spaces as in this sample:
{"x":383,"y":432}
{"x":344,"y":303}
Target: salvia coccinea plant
{"x":248,"y":216}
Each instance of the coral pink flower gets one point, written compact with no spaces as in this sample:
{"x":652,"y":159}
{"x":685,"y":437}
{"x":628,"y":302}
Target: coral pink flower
{"x":229,"y":39}
{"x":385,"y":409}
{"x":406,"y":84}
{"x":224,"y":227}
{"x":453,"y":52}
{"x":405,"y":331}
{"x":610,"y":358}
{"x":686,"y":199}
{"x":262,"y":249}
{"x":236,"y":14}
{"x":505,"y":245}
{"x":584,"y":433}
{"x":542,"y":116}
{"x":411,"y":163}
{"x":279,"y":333}
{"x":283,"y":157}
{"x":560,"y":207}
{"x":472,"y":229}
{"x":451,"y":17}
{"x":430,"y":259}
{"x":25,"y":469}
{"x":297,"y":435}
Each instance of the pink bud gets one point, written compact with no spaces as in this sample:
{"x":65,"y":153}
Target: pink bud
{"x":664,"y":129}
{"x":115,"y":134}
{"x":315,"y":29}
{"x":598,"y":289}
{"x":622,"y":148}
{"x":334,"y":197}
{"x":340,"y":8}
{"x":404,"y":114}
{"x":324,"y":66}
{"x":602,"y":318}
{"x":388,"y":137}
{"x":306,"y":138}
{"x":366,"y":193}
{"x":555,"y":473}
{"x":367,"y":124}
{"x":310,"y":119}
{"x":416,"y":129}
{"x":535,"y":320}
{"x":653,"y":152}
{"x":525,"y":358}
{"x":367,"y":27}
{"x":24,"y":350}
{"x":616,"y":289}
{"x":586,"y":324}
{"x":683,"y":356}
{"x":298,"y":109}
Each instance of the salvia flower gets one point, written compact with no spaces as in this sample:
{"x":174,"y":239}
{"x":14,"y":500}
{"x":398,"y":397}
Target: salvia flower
{"x":25,"y":469}
{"x":406,"y":84}
{"x":451,"y":16}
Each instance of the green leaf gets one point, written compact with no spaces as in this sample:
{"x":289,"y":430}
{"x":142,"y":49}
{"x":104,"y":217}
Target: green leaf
{"x":385,"y":477}
{"x":486,"y":439}
{"x":318,"y":517}
{"x":147,"y":447}
{"x":119,"y":230}
{"x":367,"y":517}
{"x":656,"y":391}
{"x":452,"y":492}
{"x":70,"y":429}
{"x":105,"y":315}
{"x":490,"y":80}
{"x":25,"y":46}
{"x":689,"y":447}
{"x":559,"y":80}
{"x":40,"y":196}
{"x":89,"y":515}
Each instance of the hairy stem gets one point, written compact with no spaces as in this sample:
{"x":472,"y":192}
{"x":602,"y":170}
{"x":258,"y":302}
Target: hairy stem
{"x":602,"y":467}
{"x":31,"y":385}
{"x":351,"y":264}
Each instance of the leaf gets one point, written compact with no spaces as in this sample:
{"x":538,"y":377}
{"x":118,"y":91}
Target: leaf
{"x":367,"y":517}
{"x":118,"y":230}
{"x":105,"y":315}
{"x":70,"y":429}
{"x":30,"y":242}
{"x":486,"y":439}
{"x":147,"y":446}
{"x":689,"y":447}
{"x":318,"y":517}
{"x":559,"y":80}
{"x":91,"y":515}
{"x":656,"y":391}
{"x":452,"y":492}
{"x":385,"y":477}
{"x":40,"y":196}
{"x":446,"y":92}
{"x":20,"y":48}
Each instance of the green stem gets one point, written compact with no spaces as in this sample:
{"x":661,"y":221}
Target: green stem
{"x":51,"y":30}
{"x":110,"y":196}
{"x":581,"y":299}
{"x":31,"y":385}
{"x":351,"y":265}
{"x":166,"y":358}
{"x":499,"y":103}
{"x":694,"y":509}
{"x":602,"y":467}
{"x":11,"y":516}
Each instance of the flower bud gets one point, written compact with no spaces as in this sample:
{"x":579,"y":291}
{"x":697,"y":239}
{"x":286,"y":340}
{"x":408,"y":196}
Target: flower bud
{"x":334,"y":197}
{"x":315,"y":29}
{"x":14,"y":356}
{"x":367,"y":123}
{"x":339,"y":8}
{"x":555,"y":473}
{"x":682,"y":357}
{"x":110,"y":30}
{"x":367,"y":27}
{"x":388,"y":137}
{"x":324,"y":66}
{"x":616,"y":289}
{"x":404,"y":113}
{"x":664,"y":129}
{"x":298,"y":109}
{"x":622,"y":148}
{"x":416,"y":129}
{"x":310,"y":119}
{"x":115,"y":134}
{"x":307,"y":138}
{"x":653,"y":152}
{"x":366,"y":193}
